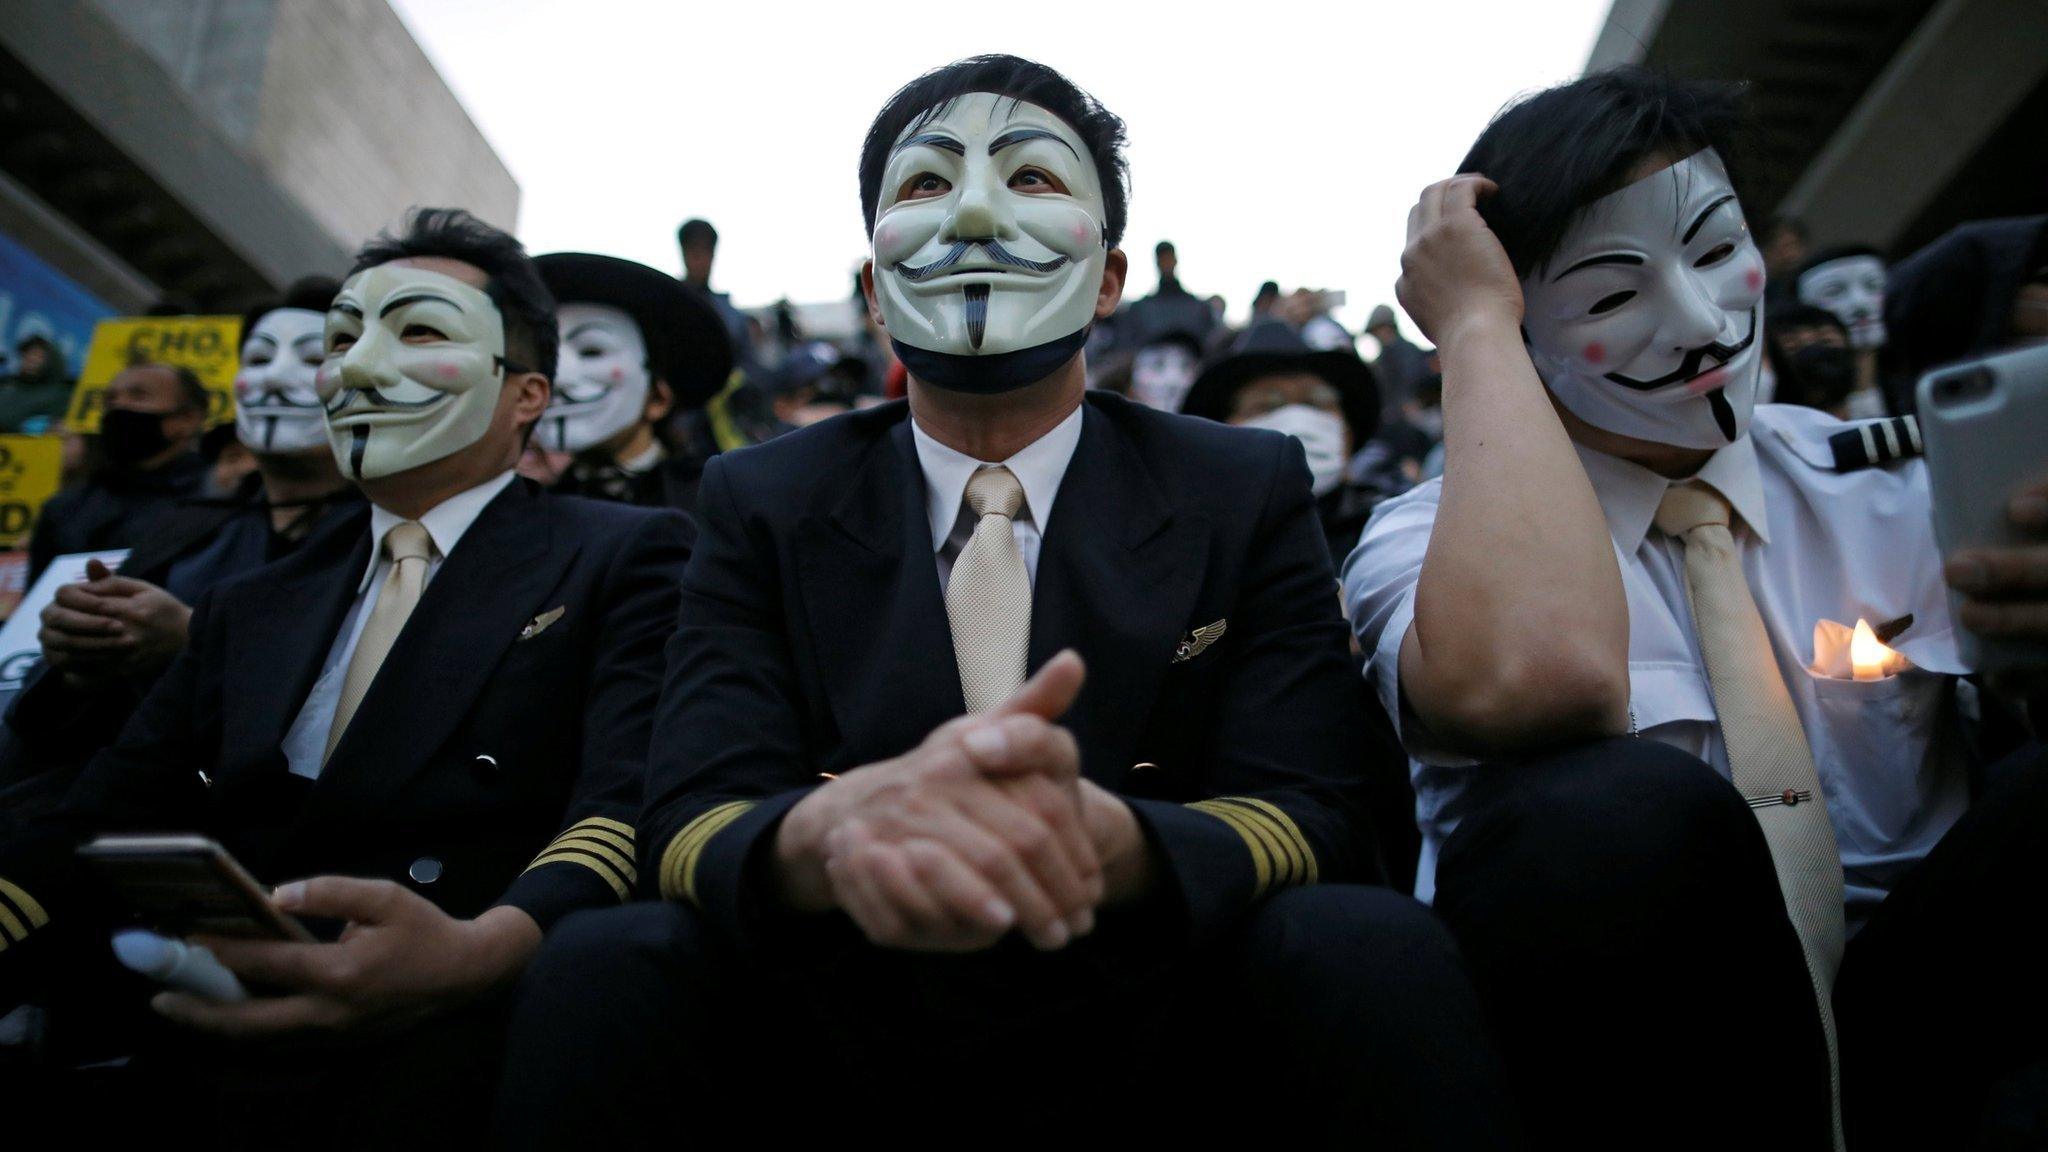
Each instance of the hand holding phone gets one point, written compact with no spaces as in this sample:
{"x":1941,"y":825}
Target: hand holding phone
{"x":188,"y":886}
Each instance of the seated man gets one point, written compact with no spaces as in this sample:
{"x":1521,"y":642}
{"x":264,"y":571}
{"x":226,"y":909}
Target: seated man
{"x":1161,"y":895}
{"x":1623,"y":543}
{"x":437,"y":709}
{"x":106,"y":640}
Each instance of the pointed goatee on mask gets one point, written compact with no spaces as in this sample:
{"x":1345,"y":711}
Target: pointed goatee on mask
{"x":988,"y":244}
{"x":1647,"y":320}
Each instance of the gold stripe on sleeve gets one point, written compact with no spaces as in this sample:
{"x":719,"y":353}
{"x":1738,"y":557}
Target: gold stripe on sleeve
{"x":679,"y":859}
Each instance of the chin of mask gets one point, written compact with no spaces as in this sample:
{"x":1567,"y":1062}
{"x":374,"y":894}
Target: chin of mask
{"x":1852,"y":290}
{"x":1322,"y":440}
{"x":1162,"y":375}
{"x":277,"y":405}
{"x":988,"y":244}
{"x":601,"y":380}
{"x":1648,"y":319}
{"x":415,"y":364}
{"x":127,"y":437}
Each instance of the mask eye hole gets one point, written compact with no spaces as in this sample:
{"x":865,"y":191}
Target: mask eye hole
{"x":1715,"y":255}
{"x":1035,"y":181}
{"x":340,"y":342}
{"x":1610,"y":302}
{"x":924,"y":186}
{"x":421,"y":333}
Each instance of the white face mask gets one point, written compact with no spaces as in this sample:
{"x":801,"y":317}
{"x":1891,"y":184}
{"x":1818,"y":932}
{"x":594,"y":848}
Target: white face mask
{"x":1162,"y":374}
{"x":1648,"y":320}
{"x":415,"y":364}
{"x":1322,"y":440}
{"x":1852,"y":289}
{"x":977,"y":250}
{"x":277,"y":409}
{"x":601,"y":380}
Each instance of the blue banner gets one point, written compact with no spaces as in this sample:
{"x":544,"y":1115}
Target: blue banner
{"x":37,"y":299}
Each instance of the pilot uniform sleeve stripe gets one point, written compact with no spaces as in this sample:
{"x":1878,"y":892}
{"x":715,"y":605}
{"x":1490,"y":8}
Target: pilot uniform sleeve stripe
{"x":10,"y":927}
{"x":621,"y":883}
{"x":1285,"y":849}
{"x":619,"y":826}
{"x":598,"y":836}
{"x":622,"y":859}
{"x":25,"y":904}
{"x":1288,"y":828}
{"x":1262,"y":856}
{"x":679,"y":859}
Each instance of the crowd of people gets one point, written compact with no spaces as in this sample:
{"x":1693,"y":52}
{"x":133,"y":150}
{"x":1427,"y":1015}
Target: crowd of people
{"x":673,"y":727}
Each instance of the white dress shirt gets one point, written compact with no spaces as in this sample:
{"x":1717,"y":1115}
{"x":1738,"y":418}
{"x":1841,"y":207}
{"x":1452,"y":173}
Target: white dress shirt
{"x":1816,"y":545}
{"x":305,"y":746}
{"x":1039,"y":467}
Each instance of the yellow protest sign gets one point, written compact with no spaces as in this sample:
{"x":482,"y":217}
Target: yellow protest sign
{"x":211,"y":346}
{"x":31,"y":468}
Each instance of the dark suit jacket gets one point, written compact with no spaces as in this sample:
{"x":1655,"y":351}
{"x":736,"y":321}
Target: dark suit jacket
{"x":109,"y":510}
{"x":814,"y":639}
{"x":491,"y":761}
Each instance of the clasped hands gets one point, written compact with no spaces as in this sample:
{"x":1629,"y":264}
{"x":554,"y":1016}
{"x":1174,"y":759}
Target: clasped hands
{"x":108,"y":626}
{"x":984,"y":828}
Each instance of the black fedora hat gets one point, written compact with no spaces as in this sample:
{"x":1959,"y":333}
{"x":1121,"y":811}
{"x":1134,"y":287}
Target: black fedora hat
{"x":686,"y":341}
{"x":1271,"y":347}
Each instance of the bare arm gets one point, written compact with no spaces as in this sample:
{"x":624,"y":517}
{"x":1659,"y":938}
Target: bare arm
{"x":1520,"y":637}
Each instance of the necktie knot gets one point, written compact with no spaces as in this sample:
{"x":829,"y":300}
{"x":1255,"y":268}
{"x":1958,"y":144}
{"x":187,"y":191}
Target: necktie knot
{"x":408,"y":541}
{"x":1689,"y":506}
{"x":995,"y":492}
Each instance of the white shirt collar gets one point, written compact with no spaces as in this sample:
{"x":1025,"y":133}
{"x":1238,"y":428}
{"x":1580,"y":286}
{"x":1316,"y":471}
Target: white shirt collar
{"x":1039,"y":467}
{"x":1629,"y":493}
{"x":446,"y":522}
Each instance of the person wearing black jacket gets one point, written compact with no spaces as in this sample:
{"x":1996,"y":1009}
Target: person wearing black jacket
{"x":428,"y":724}
{"x":105,"y":640}
{"x":1143,"y":874}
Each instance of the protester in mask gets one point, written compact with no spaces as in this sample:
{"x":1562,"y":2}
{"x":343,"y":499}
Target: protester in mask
{"x":430,"y":720}
{"x":1622,"y":544}
{"x":1810,"y":358}
{"x":636,"y":346}
{"x":1849,"y":282}
{"x":1162,"y":371}
{"x":1324,"y":399}
{"x":821,"y":811}
{"x":106,"y":640}
{"x":149,"y":452}
{"x":34,"y":399}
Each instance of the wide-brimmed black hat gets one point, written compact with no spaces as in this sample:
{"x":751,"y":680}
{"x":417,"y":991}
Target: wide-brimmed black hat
{"x":686,"y":341}
{"x":1271,"y":347}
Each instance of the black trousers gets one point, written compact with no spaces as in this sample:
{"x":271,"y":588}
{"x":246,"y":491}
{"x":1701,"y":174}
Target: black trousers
{"x":1334,"y":1014}
{"x":1942,"y":1004}
{"x":1619,"y":913}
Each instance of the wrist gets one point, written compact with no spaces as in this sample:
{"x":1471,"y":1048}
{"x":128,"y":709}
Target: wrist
{"x":1120,"y":841}
{"x":1480,"y":323}
{"x":502,"y":941}
{"x":798,"y":859}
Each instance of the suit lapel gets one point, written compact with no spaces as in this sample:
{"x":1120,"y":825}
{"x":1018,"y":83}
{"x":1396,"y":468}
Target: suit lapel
{"x":471,"y":612}
{"x":281,"y":628}
{"x":1118,"y":573}
{"x":870,"y":586}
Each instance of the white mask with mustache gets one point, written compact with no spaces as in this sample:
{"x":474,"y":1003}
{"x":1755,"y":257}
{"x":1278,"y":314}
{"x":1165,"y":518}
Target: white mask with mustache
{"x":277,"y":408}
{"x":601,"y":380}
{"x":1647,"y":320}
{"x":1851,"y":289}
{"x":415,"y":363}
{"x":988,"y":235}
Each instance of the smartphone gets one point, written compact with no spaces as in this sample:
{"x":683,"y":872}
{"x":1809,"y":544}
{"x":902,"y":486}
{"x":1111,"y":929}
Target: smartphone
{"x":1984,"y":424}
{"x":188,"y":886}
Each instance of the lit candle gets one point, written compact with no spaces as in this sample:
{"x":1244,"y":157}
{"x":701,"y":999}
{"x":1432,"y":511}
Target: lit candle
{"x":1868,"y":655}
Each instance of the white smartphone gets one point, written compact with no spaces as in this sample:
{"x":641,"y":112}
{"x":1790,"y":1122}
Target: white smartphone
{"x":1985,"y":427}
{"x":189,"y":885}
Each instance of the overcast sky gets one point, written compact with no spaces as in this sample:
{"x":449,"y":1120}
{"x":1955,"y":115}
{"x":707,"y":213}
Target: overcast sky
{"x":1270,"y":140}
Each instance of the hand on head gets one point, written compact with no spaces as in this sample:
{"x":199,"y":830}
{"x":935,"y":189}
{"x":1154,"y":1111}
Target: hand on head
{"x":1454,"y":270}
{"x":978,"y":830}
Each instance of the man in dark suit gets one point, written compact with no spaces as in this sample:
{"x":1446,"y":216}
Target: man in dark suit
{"x":963,"y":921}
{"x":438,"y":709}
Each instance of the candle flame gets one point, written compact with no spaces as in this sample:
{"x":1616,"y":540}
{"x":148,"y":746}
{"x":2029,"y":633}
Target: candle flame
{"x":1868,"y":655}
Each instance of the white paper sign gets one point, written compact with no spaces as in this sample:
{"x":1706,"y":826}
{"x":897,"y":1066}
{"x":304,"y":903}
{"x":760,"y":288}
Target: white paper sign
{"x":19,"y":648}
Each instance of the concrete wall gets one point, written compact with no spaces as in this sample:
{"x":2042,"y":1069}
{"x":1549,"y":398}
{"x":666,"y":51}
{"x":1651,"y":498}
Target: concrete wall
{"x":357,"y":125}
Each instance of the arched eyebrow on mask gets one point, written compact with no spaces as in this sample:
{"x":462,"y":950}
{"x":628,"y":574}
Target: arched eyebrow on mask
{"x":586,"y":326}
{"x":1700,"y":221}
{"x":397,"y":302}
{"x":934,"y":140}
{"x":1018,"y":136}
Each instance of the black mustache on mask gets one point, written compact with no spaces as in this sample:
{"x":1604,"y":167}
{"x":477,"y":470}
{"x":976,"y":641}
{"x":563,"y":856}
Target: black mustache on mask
{"x":1693,"y":364}
{"x":919,"y":273}
{"x":342,"y":398}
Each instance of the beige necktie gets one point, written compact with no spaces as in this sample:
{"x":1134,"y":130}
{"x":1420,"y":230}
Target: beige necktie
{"x":1767,"y":751}
{"x":988,"y":596}
{"x":409,"y":548}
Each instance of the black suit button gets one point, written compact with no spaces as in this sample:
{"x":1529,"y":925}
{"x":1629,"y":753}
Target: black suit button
{"x":424,"y":870}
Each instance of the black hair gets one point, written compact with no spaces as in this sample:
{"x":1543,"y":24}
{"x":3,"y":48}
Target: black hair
{"x":1164,"y":248}
{"x":191,"y":392}
{"x":33,"y":339}
{"x":1833,"y":253}
{"x":1552,"y":154}
{"x":696,"y":231}
{"x":1027,"y":81}
{"x":511,"y":279}
{"x":1269,"y":288}
{"x":311,"y":293}
{"x":1795,"y":315}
